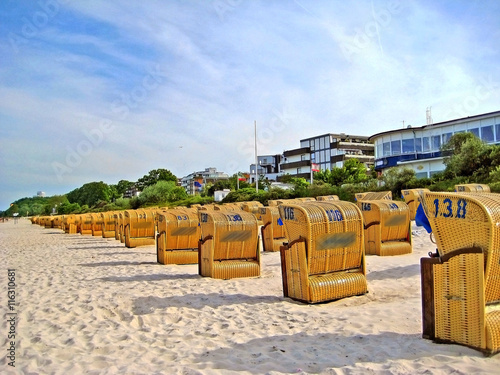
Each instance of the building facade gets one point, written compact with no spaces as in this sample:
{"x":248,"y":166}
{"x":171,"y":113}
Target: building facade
{"x":419,"y":148}
{"x":269,"y":167}
{"x":193,"y":183}
{"x":327,"y":151}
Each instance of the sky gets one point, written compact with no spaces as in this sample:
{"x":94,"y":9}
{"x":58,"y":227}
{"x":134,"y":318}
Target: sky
{"x":108,"y":90}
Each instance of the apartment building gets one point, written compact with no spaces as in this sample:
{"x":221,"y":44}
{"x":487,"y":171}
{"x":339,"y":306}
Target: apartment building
{"x":193,"y":183}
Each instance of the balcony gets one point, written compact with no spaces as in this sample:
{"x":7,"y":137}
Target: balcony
{"x":296,"y":164}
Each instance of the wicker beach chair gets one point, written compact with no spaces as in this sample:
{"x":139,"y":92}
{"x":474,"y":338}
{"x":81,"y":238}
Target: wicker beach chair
{"x":108,"y":224}
{"x":96,"y":224}
{"x":178,"y":236}
{"x":229,"y":245}
{"x":85,"y":225}
{"x":412,"y":199}
{"x":461,"y":282}
{"x":324,"y":259}
{"x":322,"y":198}
{"x":387,"y":227}
{"x":139,"y":227}
{"x":69,"y":224}
{"x":273,"y":231}
{"x":373,"y":196}
{"x":479,"y":188}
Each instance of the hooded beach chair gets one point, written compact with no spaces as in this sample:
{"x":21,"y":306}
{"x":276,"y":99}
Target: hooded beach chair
{"x":461,"y":282}
{"x":324,"y":258}
{"x":108,"y":224}
{"x":387,"y":227}
{"x":139,"y":227}
{"x":85,"y":224}
{"x":178,"y":236}
{"x":322,"y":198}
{"x":479,"y":188}
{"x":373,"y":196}
{"x":229,"y":245}
{"x":96,"y":224}
{"x":273,"y":231}
{"x":69,"y":224}
{"x":412,"y":199}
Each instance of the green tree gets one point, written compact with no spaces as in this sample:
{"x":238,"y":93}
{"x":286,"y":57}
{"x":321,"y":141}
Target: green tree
{"x":396,"y":179}
{"x":91,"y":193}
{"x":467,"y":156}
{"x":162,"y":192}
{"x":122,"y":186}
{"x":154,"y":176}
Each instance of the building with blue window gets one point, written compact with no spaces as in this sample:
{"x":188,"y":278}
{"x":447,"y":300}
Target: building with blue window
{"x":418,"y":148}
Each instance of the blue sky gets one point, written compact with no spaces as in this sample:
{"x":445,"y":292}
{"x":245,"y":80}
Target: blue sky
{"x":109,"y":90}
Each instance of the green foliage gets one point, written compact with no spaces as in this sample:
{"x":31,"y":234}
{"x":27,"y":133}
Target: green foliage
{"x":91,"y":193}
{"x":161,"y":192}
{"x":122,"y":186}
{"x":155,"y":176}
{"x":396,"y":179}
{"x":352,"y":172}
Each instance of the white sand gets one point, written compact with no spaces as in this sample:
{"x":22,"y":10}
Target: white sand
{"x":89,"y":305}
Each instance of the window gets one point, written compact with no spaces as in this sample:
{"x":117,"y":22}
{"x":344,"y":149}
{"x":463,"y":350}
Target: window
{"x":475,"y":131}
{"x":312,"y":145}
{"x":487,"y":133}
{"x":387,"y":148}
{"x":418,"y":144}
{"x":408,"y":146}
{"x":379,"y":150}
{"x":299,"y":170}
{"x":497,"y":130}
{"x":313,"y":156}
{"x":436,"y":142}
{"x":322,"y":143}
{"x":426,"y":144}
{"x":396,"y":147}
{"x":303,"y":157}
{"x":446,"y":137}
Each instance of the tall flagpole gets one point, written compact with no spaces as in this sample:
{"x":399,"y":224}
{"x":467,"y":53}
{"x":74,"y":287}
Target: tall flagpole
{"x":256,"y":159}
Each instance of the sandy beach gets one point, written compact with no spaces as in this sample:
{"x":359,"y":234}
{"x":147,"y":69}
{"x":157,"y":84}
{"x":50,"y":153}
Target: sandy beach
{"x":88,"y":305}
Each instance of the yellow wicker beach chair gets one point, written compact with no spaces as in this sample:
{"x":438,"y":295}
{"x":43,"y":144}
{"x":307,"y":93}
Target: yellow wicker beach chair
{"x":96,"y":224}
{"x":273,"y":231}
{"x":412,"y":199}
{"x":229,"y":245}
{"x":387,"y":227}
{"x":178,"y":236}
{"x":139,"y":227}
{"x":322,"y":198}
{"x":461,"y":282}
{"x":324,"y":259}
{"x":108,"y":224}
{"x":69,"y":224}
{"x":373,"y":196}
{"x":85,"y":225}
{"x":480,"y":188}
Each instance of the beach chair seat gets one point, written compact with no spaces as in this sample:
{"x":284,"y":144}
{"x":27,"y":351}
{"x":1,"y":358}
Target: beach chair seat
{"x":324,"y":259}
{"x":387,"y":227}
{"x":229,"y":245}
{"x":412,"y":199}
{"x":178,"y":236}
{"x":461,"y":281}
{"x":273,"y":231}
{"x":139,"y":228}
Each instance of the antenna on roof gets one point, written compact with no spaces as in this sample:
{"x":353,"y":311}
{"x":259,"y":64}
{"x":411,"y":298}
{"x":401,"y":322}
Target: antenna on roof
{"x":428,"y":115}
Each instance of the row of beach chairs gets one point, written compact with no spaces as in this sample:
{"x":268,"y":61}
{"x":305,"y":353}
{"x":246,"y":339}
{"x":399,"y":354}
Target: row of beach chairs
{"x":323,"y":244}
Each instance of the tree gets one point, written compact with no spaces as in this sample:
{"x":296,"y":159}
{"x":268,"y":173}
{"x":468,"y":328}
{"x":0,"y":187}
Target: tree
{"x":162,"y":192}
{"x":91,"y":193}
{"x":122,"y":186}
{"x":467,"y":156}
{"x":154,"y":176}
{"x":398,"y":178}
{"x":352,"y":172}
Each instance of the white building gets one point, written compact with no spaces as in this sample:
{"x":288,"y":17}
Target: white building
{"x":418,"y":148}
{"x":193,"y":183}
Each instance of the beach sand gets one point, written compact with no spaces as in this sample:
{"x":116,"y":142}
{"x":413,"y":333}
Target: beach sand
{"x":88,"y":305}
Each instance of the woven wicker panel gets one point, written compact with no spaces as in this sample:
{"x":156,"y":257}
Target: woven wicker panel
{"x":327,"y":198}
{"x":464,"y":220}
{"x":336,"y":285}
{"x":180,"y":256}
{"x":493,"y":331}
{"x":229,"y":269}
{"x":297,"y":272}
{"x":392,"y":248}
{"x":373,"y":196}
{"x":86,"y":225}
{"x":459,"y":303}
{"x":139,"y":228}
{"x":479,"y":188}
{"x":412,"y":198}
